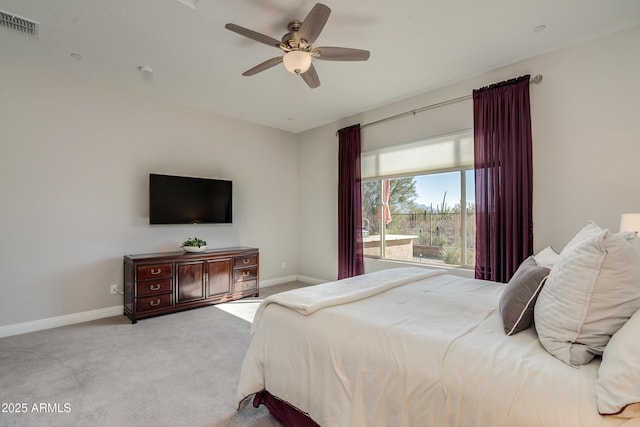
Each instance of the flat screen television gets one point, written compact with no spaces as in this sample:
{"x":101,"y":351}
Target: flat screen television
{"x":188,"y":200}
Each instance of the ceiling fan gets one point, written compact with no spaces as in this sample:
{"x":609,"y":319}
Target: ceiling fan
{"x":296,"y":45}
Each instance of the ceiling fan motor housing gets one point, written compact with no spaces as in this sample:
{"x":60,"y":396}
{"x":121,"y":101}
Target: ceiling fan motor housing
{"x":291,"y":40}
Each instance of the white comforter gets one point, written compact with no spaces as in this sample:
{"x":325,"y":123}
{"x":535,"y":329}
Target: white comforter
{"x":431,"y":352}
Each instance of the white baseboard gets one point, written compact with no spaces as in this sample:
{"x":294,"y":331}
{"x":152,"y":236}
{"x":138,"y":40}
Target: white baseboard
{"x":86,"y":316}
{"x":277,"y":281}
{"x":310,"y":280}
{"x":288,"y":279}
{"x":55,"y":322}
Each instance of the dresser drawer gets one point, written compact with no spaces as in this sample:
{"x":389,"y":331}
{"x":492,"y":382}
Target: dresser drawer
{"x":156,"y":271}
{"x":245,"y":274}
{"x":153,"y":287}
{"x":245,"y":286}
{"x":154,"y":302}
{"x":245,"y":261}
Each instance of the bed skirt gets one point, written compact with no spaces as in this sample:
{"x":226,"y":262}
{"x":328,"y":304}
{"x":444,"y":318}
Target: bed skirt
{"x":289,"y":416}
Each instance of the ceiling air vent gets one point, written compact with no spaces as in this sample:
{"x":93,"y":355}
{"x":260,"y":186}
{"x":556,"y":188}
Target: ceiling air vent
{"x":17,"y":23}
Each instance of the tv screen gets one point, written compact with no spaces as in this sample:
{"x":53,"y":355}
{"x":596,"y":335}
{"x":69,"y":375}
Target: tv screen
{"x":187,"y":200}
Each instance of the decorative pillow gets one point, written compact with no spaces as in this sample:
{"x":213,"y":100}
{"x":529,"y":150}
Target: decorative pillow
{"x":519,"y":296}
{"x":618,"y":383}
{"x":546,"y":257}
{"x":591,"y":291}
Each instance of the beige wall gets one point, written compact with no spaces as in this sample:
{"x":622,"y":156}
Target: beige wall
{"x":74,"y":165}
{"x":586,"y":136}
{"x":75,"y":156}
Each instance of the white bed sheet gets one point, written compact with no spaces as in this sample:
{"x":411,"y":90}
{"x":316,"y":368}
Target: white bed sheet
{"x":429,"y":353}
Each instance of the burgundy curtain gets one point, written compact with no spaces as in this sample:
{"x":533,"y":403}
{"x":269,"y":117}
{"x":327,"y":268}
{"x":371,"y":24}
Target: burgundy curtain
{"x":350,"y":258}
{"x":503,"y":178}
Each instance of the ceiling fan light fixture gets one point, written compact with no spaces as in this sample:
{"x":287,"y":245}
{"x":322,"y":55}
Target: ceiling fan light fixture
{"x":297,"y":61}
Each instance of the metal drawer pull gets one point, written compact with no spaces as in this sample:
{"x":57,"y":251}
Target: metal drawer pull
{"x":155,"y":287}
{"x":245,"y":274}
{"x":246,"y":261}
{"x":154,"y":271}
{"x":157,"y":303}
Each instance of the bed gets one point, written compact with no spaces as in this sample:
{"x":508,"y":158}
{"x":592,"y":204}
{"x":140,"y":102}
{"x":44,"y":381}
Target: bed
{"x":417,"y":346}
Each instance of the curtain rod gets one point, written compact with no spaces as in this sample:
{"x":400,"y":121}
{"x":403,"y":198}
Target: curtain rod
{"x":535,"y":79}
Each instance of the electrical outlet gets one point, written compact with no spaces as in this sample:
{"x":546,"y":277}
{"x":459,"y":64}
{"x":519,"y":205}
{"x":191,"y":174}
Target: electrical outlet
{"x":284,"y":264}
{"x":114,"y":289}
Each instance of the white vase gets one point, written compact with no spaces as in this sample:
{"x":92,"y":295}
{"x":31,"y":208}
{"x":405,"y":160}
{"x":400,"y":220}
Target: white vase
{"x":194,"y":248}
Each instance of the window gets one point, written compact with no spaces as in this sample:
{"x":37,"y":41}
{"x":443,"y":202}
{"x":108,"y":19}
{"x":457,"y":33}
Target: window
{"x":417,"y":201}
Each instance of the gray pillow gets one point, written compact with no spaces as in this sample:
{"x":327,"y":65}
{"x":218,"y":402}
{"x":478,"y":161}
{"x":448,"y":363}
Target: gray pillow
{"x":519,"y":297}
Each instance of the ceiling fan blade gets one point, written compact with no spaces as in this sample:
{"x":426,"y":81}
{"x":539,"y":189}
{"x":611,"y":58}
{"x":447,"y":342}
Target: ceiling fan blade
{"x":270,"y":41}
{"x":340,"y":54}
{"x":311,"y":77}
{"x":314,"y":23}
{"x":264,"y":66}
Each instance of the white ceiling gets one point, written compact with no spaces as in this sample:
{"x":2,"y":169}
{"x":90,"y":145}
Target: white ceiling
{"x":415,"y":45}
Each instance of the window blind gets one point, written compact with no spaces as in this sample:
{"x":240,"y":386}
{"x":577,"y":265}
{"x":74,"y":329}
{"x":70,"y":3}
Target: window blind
{"x":442,"y":153}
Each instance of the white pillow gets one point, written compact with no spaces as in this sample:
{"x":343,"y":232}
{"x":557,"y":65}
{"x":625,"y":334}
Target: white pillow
{"x":592,"y":290}
{"x":546,"y":257}
{"x":618,"y":383}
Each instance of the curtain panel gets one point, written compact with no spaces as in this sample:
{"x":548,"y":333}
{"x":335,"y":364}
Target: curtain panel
{"x":350,"y":252}
{"x":503,"y":178}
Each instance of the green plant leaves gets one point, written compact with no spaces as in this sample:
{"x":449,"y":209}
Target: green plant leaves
{"x":194,"y":242}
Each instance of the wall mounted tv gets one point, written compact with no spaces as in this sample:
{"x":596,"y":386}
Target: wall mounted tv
{"x":188,"y":200}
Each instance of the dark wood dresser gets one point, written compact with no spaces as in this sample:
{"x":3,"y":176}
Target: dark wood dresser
{"x":162,"y":283}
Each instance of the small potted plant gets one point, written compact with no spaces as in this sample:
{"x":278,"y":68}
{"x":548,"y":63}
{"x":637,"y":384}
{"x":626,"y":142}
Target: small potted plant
{"x":194,"y":245}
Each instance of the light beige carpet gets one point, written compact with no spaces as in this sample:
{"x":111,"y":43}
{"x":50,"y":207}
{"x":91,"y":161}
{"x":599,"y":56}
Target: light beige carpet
{"x":180,"y":369}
